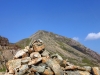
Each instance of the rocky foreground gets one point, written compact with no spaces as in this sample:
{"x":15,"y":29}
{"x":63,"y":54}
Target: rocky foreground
{"x":36,"y":60}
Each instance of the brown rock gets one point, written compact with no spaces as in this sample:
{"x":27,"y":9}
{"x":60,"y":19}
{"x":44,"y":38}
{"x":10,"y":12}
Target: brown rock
{"x":12,"y":64}
{"x":95,"y":70}
{"x":11,"y":71}
{"x":34,"y":61}
{"x":44,"y":59}
{"x":63,"y":63}
{"x":20,"y":53}
{"x":71,"y":67}
{"x":84,"y":73}
{"x":30,"y":50}
{"x":35,"y":55}
{"x":48,"y":72}
{"x":38,"y":48}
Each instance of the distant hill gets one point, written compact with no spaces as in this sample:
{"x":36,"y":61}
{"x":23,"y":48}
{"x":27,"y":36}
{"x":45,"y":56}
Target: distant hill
{"x":68,"y":48}
{"x":7,"y":50}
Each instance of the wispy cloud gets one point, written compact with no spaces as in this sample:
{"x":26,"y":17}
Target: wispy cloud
{"x":75,"y":38}
{"x":93,"y":36}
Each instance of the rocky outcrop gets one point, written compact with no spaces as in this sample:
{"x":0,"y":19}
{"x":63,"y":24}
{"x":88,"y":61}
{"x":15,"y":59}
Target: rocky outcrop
{"x":4,"y":41}
{"x":7,"y":51}
{"x":36,"y":60}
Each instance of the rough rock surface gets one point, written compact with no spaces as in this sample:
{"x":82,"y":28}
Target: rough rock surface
{"x":35,"y":60}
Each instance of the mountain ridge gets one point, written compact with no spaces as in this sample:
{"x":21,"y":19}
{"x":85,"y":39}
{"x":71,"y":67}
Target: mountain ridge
{"x":66,"y":47}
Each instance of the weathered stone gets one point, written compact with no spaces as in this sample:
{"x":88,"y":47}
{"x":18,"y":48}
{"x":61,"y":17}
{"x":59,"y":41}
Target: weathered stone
{"x":38,"y":48}
{"x":68,"y":64}
{"x":63,"y":63}
{"x":53,"y":64}
{"x":30,"y":50}
{"x":95,"y":70}
{"x":13,"y":64}
{"x":84,"y":73}
{"x":20,"y":53}
{"x":88,"y":68}
{"x":27,"y":47}
{"x":35,"y":55}
{"x":25,"y":60}
{"x":22,"y":70}
{"x":7,"y":74}
{"x":44,"y":59}
{"x":48,"y":72}
{"x":11,"y":70}
{"x":72,"y":73}
{"x":34,"y":61}
{"x":81,"y":68}
{"x":36,"y":73}
{"x":38,"y":69}
{"x":71,"y":67}
{"x":45,"y":53}
{"x":42,"y":64}
{"x":40,"y":40}
{"x":25,"y":50}
{"x":57,"y":56}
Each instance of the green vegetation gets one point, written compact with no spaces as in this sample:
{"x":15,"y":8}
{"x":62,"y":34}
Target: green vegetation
{"x":62,"y":45}
{"x":24,"y":42}
{"x":88,"y":62}
{"x":3,"y":70}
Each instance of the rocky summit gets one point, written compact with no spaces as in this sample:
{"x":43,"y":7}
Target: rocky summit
{"x":36,"y":60}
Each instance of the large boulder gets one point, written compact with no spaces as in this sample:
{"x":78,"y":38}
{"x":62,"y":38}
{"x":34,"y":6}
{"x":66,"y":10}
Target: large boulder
{"x":95,"y":70}
{"x":53,"y":64}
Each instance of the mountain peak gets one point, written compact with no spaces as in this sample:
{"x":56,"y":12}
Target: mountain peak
{"x":66,"y":47}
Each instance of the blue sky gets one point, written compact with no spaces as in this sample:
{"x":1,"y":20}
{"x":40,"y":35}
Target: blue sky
{"x":77,"y":19}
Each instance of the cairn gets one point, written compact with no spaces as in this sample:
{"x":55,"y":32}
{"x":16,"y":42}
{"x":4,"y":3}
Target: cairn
{"x":36,"y":60}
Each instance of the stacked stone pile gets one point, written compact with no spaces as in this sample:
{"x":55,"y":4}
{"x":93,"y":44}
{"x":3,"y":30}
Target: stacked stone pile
{"x":36,"y":60}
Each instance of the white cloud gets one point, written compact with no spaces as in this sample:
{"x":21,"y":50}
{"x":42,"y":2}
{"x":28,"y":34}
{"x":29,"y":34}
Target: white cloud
{"x":75,"y":38}
{"x":93,"y":36}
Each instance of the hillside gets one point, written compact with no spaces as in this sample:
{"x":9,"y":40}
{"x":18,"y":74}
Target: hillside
{"x":68,"y":48}
{"x":7,"y":50}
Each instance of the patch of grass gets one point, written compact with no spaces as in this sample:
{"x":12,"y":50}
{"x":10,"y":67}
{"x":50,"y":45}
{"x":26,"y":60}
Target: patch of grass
{"x":88,"y":62}
{"x":24,"y":42}
{"x":62,"y":45}
{"x":3,"y":70}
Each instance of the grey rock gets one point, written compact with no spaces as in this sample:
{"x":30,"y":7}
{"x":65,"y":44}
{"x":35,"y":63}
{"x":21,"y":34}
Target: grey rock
{"x":57,"y":56}
{"x":45,"y":53}
{"x":22,"y":70}
{"x":53,"y":64}
{"x":88,"y":68}
{"x":25,"y":60}
{"x":72,"y":73}
{"x":37,"y":73}
{"x":38,"y":69}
